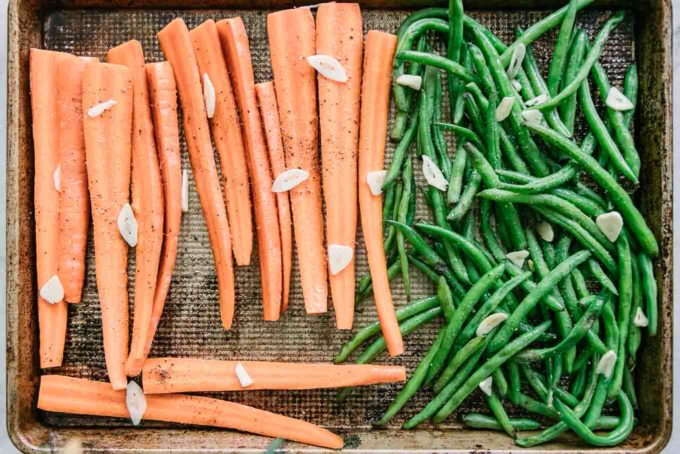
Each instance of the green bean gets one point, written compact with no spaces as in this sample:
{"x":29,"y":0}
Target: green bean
{"x":365,"y":286}
{"x":540,"y":265}
{"x":500,"y":382}
{"x":413,"y":384}
{"x":578,"y":383}
{"x":456,"y":288}
{"x":555,"y":367}
{"x":462,"y":133}
{"x":599,"y":129}
{"x":650,"y":292}
{"x":488,"y":233}
{"x":580,"y":284}
{"x":485,"y":79}
{"x":458,"y":108}
{"x":462,"y":313}
{"x":454,"y":46}
{"x":400,"y":153}
{"x":472,"y":112}
{"x":617,"y":195}
{"x":492,"y":135}
{"x":438,"y":138}
{"x":623,"y":311}
{"x":388,"y":203}
{"x":445,"y":298}
{"x":611,"y":328}
{"x":635,"y":333}
{"x":436,"y":61}
{"x":629,"y":386}
{"x":371,"y":330}
{"x":546,"y":285}
{"x":462,"y":355}
{"x":559,"y":58}
{"x":499,"y":412}
{"x":527,"y":90}
{"x":484,"y":422}
{"x":467,"y":198}
{"x":630,"y":90}
{"x":457,"y":171}
{"x":591,"y":58}
{"x":566,"y":287}
{"x":407,"y":177}
{"x":504,"y":354}
{"x":599,"y":274}
{"x":587,"y":192}
{"x":576,"y":55}
{"x":469,"y":248}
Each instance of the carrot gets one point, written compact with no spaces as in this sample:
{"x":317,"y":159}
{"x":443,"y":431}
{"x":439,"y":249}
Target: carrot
{"x":226,"y":133}
{"x":147,"y":201}
{"x":163,"y":94}
{"x":236,"y":49}
{"x":51,"y":317}
{"x":375,"y":98}
{"x":74,"y":202}
{"x":108,"y":153}
{"x":172,"y":375}
{"x":291,"y":39}
{"x":339,"y":35}
{"x":272,"y":131}
{"x":63,"y":394}
{"x":176,"y":45}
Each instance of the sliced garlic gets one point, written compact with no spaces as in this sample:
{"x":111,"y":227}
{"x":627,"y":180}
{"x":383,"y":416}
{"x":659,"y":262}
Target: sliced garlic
{"x":433,"y":175}
{"x":243,"y":377}
{"x":610,"y":224}
{"x":540,"y":99}
{"x":376,"y":180}
{"x":505,"y":108}
{"x":410,"y":80}
{"x":185,"y":190}
{"x":135,"y":401}
{"x":288,"y":179}
{"x":606,"y":364}
{"x":486,"y":384}
{"x":545,"y":231}
{"x":489,"y":323}
{"x":52,"y":291}
{"x":339,"y":256}
{"x":98,"y":109}
{"x":518,"y":257}
{"x":517,"y":85}
{"x":328,"y":67}
{"x":618,"y":101}
{"x":532,"y":116}
{"x":517,"y":60}
{"x":56,"y":177}
{"x":127,"y":225}
{"x":640,"y":319}
{"x":209,"y":95}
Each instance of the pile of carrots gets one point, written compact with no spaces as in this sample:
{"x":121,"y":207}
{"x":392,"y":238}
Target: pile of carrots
{"x":106,"y":143}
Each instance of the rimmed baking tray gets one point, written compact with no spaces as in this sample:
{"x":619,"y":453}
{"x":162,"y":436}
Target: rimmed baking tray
{"x":191,"y":327}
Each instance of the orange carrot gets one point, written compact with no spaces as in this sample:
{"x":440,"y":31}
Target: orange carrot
{"x":236,"y":49}
{"x":163,"y":93}
{"x":176,"y":45}
{"x":272,"y":131}
{"x":226,"y":133}
{"x":291,"y":39}
{"x":51,"y":317}
{"x":84,"y":397}
{"x":339,"y":35}
{"x":74,"y":203}
{"x":173,"y":375}
{"x":108,"y":153}
{"x":375,"y":98}
{"x":147,"y":201}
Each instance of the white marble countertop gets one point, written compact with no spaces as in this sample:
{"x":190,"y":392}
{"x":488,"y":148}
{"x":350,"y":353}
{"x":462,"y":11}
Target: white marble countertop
{"x":5,"y":444}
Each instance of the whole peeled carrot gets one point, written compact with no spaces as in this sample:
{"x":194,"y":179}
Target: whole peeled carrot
{"x":172,"y":375}
{"x":108,"y":152}
{"x":147,"y":201}
{"x":51,"y":317}
{"x":63,"y":394}
{"x":272,"y":131}
{"x":74,"y":202}
{"x":292,"y":38}
{"x":375,"y":98}
{"x":339,"y":35}
{"x":176,"y":45}
{"x":163,"y":93}
{"x":226,"y":133}
{"x":236,"y":49}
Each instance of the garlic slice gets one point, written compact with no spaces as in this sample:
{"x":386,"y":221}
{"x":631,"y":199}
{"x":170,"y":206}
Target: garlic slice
{"x":517,"y":60}
{"x":52,"y":291}
{"x":98,"y":109}
{"x":185,"y":190}
{"x":518,"y":257}
{"x":610,"y":224}
{"x":489,"y":323}
{"x":135,"y":401}
{"x":532,"y":116}
{"x":640,"y":319}
{"x":606,"y":364}
{"x":375,"y":181}
{"x":618,"y":101}
{"x":410,"y":80}
{"x":288,"y":179}
{"x":56,"y":177}
{"x":486,"y":384}
{"x":209,"y":95}
{"x":505,"y":108}
{"x":517,"y":85}
{"x":339,"y":256}
{"x":328,"y":67}
{"x":433,"y":175}
{"x":243,"y":377}
{"x":545,"y":231}
{"x":540,"y":99}
{"x":127,"y":225}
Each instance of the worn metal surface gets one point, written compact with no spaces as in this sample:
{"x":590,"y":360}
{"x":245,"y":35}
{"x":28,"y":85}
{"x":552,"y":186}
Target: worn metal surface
{"x":190,"y":326}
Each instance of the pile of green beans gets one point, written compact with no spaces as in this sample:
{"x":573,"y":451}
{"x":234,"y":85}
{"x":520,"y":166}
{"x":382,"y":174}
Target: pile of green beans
{"x":516,"y":236}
